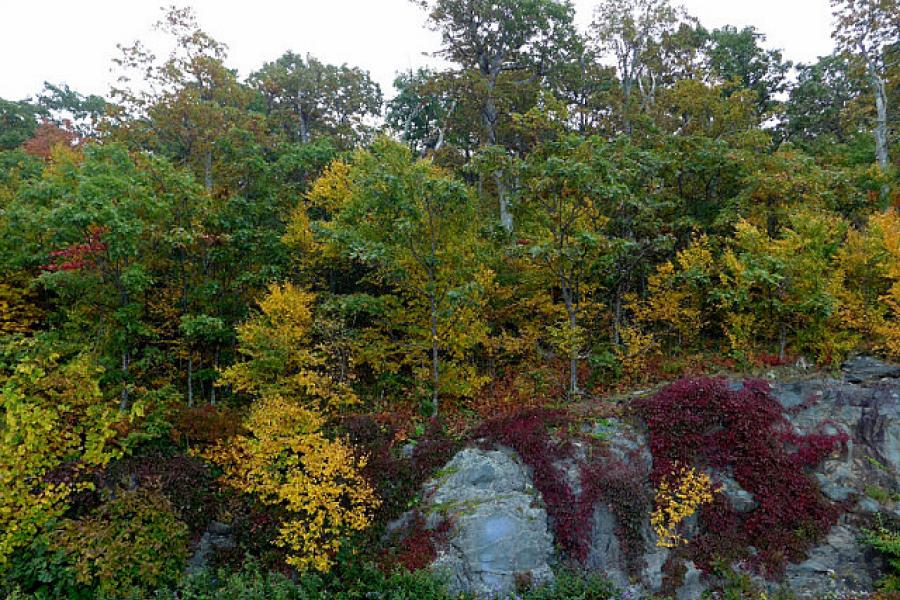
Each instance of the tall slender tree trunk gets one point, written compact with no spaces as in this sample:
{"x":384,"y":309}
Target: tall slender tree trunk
{"x":124,"y":400}
{"x":190,"y":377}
{"x":627,"y":85}
{"x":489,"y":117}
{"x":617,"y":317}
{"x":506,"y":219}
{"x":881,"y":131}
{"x":572,"y":313}
{"x":435,"y":360}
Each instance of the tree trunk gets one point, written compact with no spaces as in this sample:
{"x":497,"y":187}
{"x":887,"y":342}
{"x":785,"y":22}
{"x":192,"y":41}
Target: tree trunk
{"x":489,"y":119}
{"x":881,"y":132}
{"x":124,"y":399}
{"x":304,"y":128}
{"x":617,"y":317}
{"x":506,"y":219}
{"x":435,"y":365}
{"x":572,"y":313}
{"x":627,"y":84}
{"x":190,"y":379}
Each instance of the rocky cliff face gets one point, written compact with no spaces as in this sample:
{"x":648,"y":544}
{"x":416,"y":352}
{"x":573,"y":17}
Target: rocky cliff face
{"x":500,"y":534}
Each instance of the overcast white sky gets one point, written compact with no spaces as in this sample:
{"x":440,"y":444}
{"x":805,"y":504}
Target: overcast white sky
{"x":74,"y":41}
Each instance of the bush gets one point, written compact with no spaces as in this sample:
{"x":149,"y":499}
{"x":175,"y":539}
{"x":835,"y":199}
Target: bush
{"x":573,"y":586}
{"x":132,"y":542}
{"x":886,"y":539}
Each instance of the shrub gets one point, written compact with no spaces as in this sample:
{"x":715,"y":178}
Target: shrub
{"x":569,"y":585}
{"x":133,"y":541}
{"x":678,"y":496}
{"x":185,"y":481}
{"x":886,"y":540}
{"x":288,"y":462}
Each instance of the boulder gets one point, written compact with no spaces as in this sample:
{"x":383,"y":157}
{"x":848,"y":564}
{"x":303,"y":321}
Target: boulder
{"x":499,"y":533}
{"x":837,"y":568}
{"x":866,"y":368}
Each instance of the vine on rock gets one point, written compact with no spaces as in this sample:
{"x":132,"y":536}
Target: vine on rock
{"x":708,"y":424}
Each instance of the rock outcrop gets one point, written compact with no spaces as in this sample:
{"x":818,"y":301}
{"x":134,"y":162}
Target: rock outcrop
{"x":500,"y":534}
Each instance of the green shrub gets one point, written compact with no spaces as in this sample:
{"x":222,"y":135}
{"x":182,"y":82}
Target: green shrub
{"x":572,"y":586}
{"x":886,"y":539}
{"x":132,"y":542}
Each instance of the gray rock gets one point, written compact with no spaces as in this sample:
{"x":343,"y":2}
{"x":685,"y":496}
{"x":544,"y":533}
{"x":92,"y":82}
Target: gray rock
{"x":499,"y":532}
{"x":865,"y":368}
{"x":216,"y":537}
{"x":605,"y":553}
{"x":624,"y":441}
{"x":654,"y":560}
{"x":838,"y":566}
{"x":868,"y":506}
{"x":500,"y":529}
{"x":692,"y":587}
{"x":742,"y":500}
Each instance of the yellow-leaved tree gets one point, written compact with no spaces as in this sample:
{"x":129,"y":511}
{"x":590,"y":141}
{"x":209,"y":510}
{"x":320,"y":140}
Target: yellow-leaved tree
{"x":783,"y":290}
{"x":54,"y":424}
{"x":286,"y":460}
{"x":280,"y":356}
{"x":284,"y":457}
{"x":868,"y":268}
{"x":677,"y":295}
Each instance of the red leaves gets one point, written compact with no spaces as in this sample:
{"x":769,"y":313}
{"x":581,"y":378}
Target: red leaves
{"x":47,"y":136}
{"x":706,"y":423}
{"x":79,"y":256}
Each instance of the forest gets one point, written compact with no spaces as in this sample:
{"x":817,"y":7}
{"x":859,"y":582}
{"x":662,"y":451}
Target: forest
{"x":281,"y":301}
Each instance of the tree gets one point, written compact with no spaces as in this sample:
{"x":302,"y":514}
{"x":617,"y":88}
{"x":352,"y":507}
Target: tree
{"x":18,"y":121}
{"x":630,"y":31}
{"x":781,"y":289}
{"x":866,"y":32}
{"x":414,"y":225}
{"x":422,"y":110}
{"x":562,"y":188}
{"x":186,"y":102}
{"x":492,"y":38}
{"x":308,"y":98}
{"x":98,"y":230}
{"x":818,"y":101}
{"x":280,"y":356}
{"x":72,"y":110}
{"x":736,"y":59}
{"x":54,"y":425}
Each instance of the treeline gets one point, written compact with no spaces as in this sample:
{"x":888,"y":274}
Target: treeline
{"x":288,"y":247}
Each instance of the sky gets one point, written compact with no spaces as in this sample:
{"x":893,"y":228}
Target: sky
{"x":74,"y":41}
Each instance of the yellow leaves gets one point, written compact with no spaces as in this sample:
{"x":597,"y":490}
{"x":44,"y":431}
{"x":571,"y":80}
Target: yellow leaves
{"x":333,"y":188}
{"x":673,"y":307}
{"x":287,"y":461}
{"x":678,"y":496}
{"x":280,"y":356}
{"x":868,"y":268}
{"x":634,"y":352}
{"x":18,"y":311}
{"x":52,"y":414}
